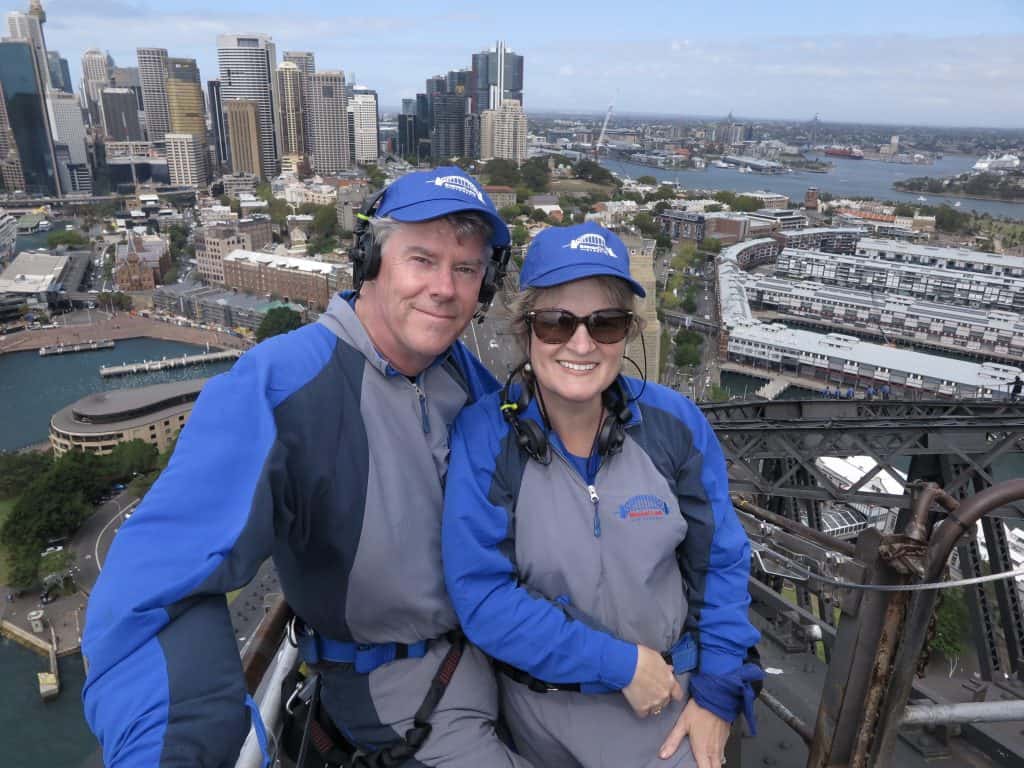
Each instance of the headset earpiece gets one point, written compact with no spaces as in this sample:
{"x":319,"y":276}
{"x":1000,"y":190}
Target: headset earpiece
{"x":365,"y":253}
{"x":613,"y":432}
{"x":530,"y":438}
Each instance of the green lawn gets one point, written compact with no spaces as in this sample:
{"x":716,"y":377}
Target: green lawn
{"x":6,"y":505}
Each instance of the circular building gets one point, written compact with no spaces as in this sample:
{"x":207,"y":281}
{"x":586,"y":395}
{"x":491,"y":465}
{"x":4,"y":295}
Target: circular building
{"x":98,"y":422}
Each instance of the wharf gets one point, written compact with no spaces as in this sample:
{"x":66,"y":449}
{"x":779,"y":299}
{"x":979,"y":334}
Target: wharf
{"x":49,"y":682}
{"x":147,"y":366}
{"x":66,"y":349}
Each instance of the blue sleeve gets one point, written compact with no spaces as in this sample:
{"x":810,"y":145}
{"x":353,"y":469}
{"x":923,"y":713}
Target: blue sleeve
{"x":716,"y":553}
{"x":497,"y":614}
{"x":165,"y":682}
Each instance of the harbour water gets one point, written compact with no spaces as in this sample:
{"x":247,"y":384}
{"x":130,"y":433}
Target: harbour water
{"x":847,"y":178}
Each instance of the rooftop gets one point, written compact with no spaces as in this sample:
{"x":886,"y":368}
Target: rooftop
{"x":101,"y":412}
{"x":33,"y":272}
{"x":940,"y":252}
{"x":282,"y":262}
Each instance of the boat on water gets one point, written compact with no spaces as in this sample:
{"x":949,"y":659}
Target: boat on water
{"x":45,"y":226}
{"x":922,"y":199}
{"x":956,"y":204}
{"x":851,"y":152}
{"x":720,"y":164}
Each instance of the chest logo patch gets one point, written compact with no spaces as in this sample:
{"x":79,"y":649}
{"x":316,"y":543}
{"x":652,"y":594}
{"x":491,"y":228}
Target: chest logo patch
{"x":643,"y":507}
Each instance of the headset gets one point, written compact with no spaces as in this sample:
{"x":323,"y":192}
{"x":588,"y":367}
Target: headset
{"x":532,"y":439}
{"x":366,"y":255}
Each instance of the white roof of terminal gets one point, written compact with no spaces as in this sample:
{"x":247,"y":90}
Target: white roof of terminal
{"x":940,"y":252}
{"x":283,"y":262}
{"x":33,"y":272}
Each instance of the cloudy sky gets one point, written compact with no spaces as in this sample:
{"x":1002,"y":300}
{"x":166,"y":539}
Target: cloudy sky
{"x":940,"y":62}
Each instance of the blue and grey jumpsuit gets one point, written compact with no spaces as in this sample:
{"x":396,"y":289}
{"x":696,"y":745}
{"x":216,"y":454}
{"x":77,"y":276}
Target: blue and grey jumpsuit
{"x":313,"y":450}
{"x":559,"y":570}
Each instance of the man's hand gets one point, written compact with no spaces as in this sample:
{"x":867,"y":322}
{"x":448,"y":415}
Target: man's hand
{"x":708,"y":734}
{"x":654,"y":684}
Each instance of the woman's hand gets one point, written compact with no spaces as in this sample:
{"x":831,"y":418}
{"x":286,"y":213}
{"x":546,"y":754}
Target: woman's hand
{"x":653,"y":685}
{"x":708,"y":734}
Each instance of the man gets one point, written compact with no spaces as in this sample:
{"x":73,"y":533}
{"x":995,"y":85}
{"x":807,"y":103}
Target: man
{"x":325,"y":448}
{"x":1018,"y":384}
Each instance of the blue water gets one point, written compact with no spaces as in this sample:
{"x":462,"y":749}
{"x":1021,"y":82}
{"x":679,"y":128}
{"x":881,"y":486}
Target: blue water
{"x":34,"y":733}
{"x":847,"y":178}
{"x":33,"y":388}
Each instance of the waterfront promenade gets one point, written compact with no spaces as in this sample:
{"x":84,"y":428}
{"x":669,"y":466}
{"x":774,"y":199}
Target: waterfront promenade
{"x":119,"y":326}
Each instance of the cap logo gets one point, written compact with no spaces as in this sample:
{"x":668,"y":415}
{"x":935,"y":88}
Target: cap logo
{"x":593,"y":243}
{"x":458,"y":184}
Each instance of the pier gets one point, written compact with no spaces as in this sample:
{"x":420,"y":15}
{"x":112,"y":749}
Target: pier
{"x":66,"y":349}
{"x":147,"y":366}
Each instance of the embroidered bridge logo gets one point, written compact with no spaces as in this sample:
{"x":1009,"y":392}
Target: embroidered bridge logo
{"x":458,"y":184}
{"x":643,"y":507}
{"x":592,"y":242}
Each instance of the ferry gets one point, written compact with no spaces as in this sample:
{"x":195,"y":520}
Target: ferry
{"x":851,"y":152}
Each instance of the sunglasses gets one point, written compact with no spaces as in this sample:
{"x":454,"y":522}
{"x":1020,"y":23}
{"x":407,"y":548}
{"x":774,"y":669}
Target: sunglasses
{"x":557,"y":326}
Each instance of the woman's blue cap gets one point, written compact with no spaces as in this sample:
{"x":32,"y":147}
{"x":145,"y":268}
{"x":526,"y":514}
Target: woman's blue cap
{"x":560,"y":255}
{"x":426,"y":195}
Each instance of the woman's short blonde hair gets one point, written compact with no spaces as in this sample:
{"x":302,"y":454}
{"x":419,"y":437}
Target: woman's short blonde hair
{"x":521,"y":303}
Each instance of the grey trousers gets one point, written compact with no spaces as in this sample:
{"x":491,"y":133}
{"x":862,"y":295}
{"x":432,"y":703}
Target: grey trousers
{"x":375,"y":710}
{"x":578,"y":730}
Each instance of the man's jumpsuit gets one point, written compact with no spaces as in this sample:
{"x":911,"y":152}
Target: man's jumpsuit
{"x":314,"y":450}
{"x":560,"y":573}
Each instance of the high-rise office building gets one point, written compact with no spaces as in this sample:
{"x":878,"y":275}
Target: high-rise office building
{"x":29,"y":27}
{"x":60,"y":72}
{"x":328,"y":117}
{"x":128,"y":77}
{"x":153,"y":76}
{"x":120,"y":114}
{"x":11,"y":177}
{"x":65,"y":114}
{"x":247,"y":67}
{"x":503,"y":132}
{"x":186,"y":108}
{"x":306,"y":63}
{"x":291,"y":87}
{"x":25,"y":97}
{"x":217,"y":122}
{"x":243,"y":123}
{"x":458,"y":82}
{"x":408,"y":106}
{"x":365,"y":125}
{"x":497,"y":75}
{"x":448,"y":131}
{"x":95,"y":77}
{"x":186,"y":159}
{"x":408,"y":135}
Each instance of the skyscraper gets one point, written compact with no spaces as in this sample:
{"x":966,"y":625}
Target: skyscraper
{"x":11,"y":177}
{"x":120,"y":114}
{"x":497,"y":75}
{"x":128,"y":77}
{"x":25,"y":99}
{"x":328,"y":116}
{"x":186,"y":160}
{"x":153,"y":76}
{"x":293,"y":111}
{"x":408,"y":106}
{"x":29,"y":27}
{"x":247,"y":66}
{"x":186,"y":108}
{"x":68,"y":127}
{"x":448,"y":131}
{"x":220,"y":130}
{"x":95,"y":76}
{"x":243,"y":123}
{"x":60,"y":72}
{"x":503,"y":132}
{"x":306,"y":63}
{"x":365,"y":129}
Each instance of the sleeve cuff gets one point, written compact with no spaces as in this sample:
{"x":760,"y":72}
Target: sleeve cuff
{"x":618,"y":663}
{"x":714,"y":662}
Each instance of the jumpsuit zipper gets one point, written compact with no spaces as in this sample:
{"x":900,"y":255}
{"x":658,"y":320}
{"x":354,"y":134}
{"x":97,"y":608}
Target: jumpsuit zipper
{"x":590,"y":488}
{"x":423,"y":407}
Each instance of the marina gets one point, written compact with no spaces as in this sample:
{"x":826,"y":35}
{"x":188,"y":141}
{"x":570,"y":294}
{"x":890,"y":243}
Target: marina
{"x":185,"y":361}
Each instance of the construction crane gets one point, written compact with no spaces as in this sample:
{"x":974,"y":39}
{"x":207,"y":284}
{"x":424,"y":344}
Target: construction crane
{"x":600,"y":139}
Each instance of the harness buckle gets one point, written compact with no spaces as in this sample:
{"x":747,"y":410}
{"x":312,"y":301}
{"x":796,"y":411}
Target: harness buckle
{"x":303,"y":693}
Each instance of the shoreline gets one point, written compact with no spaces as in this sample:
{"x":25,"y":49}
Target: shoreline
{"x":118,"y":328}
{"x":988,"y":198}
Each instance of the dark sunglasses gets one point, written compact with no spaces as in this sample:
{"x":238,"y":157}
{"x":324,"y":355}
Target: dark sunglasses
{"x":557,"y":326}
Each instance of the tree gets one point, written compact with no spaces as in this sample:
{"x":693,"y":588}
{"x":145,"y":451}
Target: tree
{"x":130,"y":458}
{"x":17,"y":470}
{"x":647,"y":226}
{"x":278,"y":320}
{"x":663,"y":241}
{"x":903,"y":209}
{"x":69,"y":239}
{"x":950,"y":626}
{"x":503,"y":172}
{"x":170,"y":276}
{"x":536,"y":174}
{"x":520,"y":235}
{"x":747,"y":204}
{"x":509,"y":213}
{"x":712,"y":245}
{"x":690,"y":301}
{"x":591,"y":171}
{"x":647,"y":180}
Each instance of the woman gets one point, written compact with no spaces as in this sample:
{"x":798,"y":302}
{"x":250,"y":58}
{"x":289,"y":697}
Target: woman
{"x":589,"y":543}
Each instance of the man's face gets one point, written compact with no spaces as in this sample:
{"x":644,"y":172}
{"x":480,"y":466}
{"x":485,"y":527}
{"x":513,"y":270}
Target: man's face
{"x":424,"y":295}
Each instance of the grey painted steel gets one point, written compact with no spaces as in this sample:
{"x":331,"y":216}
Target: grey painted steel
{"x":969,"y":712}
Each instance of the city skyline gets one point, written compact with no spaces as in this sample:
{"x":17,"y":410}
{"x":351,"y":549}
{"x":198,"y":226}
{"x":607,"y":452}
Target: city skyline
{"x":936,"y":63}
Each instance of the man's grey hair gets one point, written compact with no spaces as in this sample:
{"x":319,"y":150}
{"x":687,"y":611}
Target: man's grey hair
{"x":467,"y":224}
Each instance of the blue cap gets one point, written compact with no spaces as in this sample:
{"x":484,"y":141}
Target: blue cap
{"x":429,"y":195}
{"x":560,"y":255}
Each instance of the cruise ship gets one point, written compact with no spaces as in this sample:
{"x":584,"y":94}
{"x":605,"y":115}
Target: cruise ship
{"x":992,"y":163}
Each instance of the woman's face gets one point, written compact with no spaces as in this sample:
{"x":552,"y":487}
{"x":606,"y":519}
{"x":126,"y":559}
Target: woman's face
{"x":579,"y":370}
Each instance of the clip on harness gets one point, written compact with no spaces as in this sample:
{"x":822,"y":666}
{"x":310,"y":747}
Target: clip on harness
{"x":682,"y":657}
{"x":308,"y":694}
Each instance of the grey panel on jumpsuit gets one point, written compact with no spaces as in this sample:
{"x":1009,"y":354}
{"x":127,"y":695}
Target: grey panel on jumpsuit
{"x":634,"y":555}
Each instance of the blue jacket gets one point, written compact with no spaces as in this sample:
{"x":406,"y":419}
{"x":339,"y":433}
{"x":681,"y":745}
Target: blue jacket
{"x":561,"y":573}
{"x":313,"y":450}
